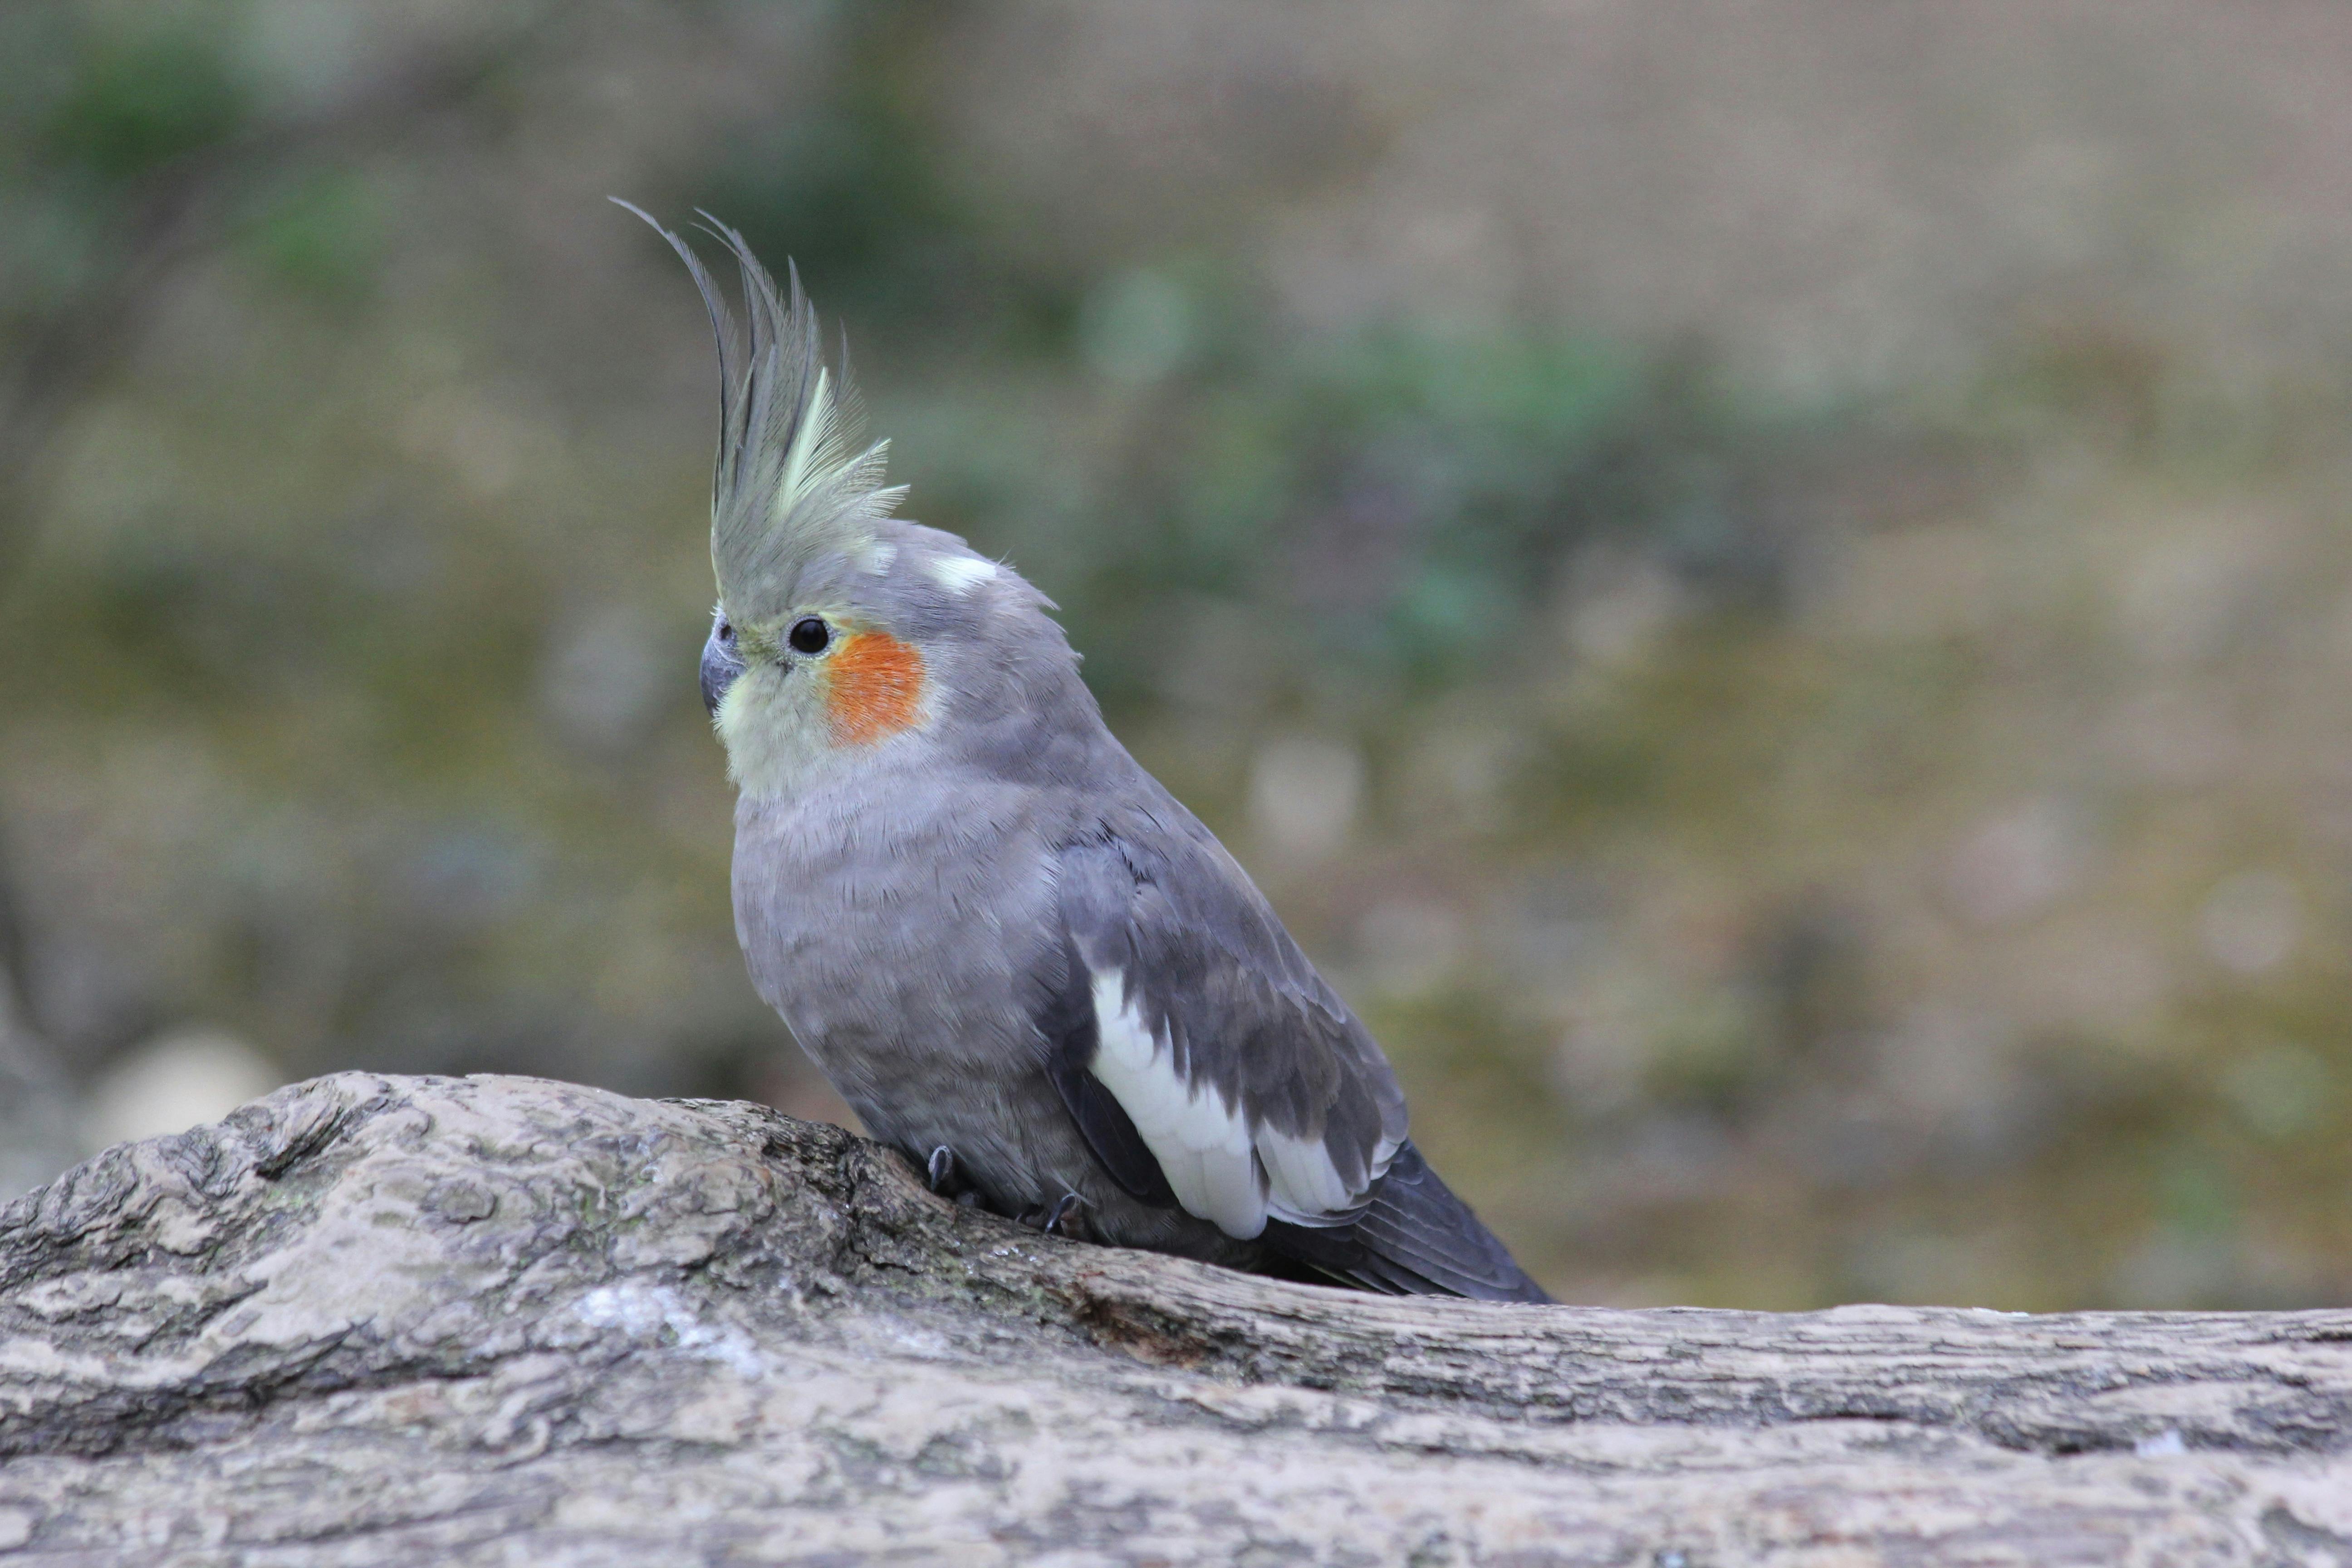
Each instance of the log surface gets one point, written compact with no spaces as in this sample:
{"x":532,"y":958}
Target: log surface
{"x":373,"y":1321}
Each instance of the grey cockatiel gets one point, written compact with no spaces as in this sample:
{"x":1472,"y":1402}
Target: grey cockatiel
{"x":1022,"y":962}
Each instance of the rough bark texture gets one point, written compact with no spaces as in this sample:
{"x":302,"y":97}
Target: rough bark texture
{"x":498,"y":1320}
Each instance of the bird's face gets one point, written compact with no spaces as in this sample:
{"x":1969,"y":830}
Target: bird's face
{"x":821,"y":684}
{"x":838,"y":626}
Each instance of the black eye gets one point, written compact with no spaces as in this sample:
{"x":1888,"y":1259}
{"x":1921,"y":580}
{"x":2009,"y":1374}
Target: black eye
{"x":809,"y":634}
{"x":726,"y":631}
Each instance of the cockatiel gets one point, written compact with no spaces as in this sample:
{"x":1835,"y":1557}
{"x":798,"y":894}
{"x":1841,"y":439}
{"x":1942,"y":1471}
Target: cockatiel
{"x":1020,"y":960}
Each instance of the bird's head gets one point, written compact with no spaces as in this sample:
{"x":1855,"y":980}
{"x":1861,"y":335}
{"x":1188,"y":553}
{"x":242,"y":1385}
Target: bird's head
{"x":840,"y":629}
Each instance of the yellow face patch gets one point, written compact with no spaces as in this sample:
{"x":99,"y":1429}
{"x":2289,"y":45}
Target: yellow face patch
{"x":874,"y":688}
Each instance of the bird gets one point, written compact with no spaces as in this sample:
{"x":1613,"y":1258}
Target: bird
{"x":1019,"y":959}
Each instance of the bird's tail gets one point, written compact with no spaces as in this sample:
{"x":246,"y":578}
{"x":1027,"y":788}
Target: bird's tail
{"x":1414,"y":1238}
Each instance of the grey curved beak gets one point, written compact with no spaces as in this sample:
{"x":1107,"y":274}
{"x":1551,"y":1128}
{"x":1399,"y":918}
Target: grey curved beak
{"x":720,"y":668}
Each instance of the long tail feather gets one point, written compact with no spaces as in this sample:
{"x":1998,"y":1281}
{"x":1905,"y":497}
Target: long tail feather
{"x":1414,"y":1238}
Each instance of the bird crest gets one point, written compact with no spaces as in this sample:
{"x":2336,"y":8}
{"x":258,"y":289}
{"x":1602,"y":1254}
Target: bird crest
{"x":792,"y":490}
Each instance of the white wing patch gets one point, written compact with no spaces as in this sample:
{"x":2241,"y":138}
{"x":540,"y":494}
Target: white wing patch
{"x":1202,"y":1144}
{"x":1305,"y":1187}
{"x":960,"y":574}
{"x":1218,"y":1168}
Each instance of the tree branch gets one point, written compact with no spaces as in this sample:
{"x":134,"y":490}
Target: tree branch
{"x":378,"y":1321}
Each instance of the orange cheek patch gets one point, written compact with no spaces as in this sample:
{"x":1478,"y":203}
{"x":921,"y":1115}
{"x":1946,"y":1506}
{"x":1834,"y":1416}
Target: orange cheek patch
{"x":874,"y":688}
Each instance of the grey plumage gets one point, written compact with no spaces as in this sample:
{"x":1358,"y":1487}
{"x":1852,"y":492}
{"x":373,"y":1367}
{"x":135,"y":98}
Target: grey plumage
{"x":991,"y":929}
{"x":1215,"y":977}
{"x":792,"y":492}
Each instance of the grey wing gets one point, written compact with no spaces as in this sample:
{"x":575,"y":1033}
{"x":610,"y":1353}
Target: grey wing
{"x":1203,"y":1057}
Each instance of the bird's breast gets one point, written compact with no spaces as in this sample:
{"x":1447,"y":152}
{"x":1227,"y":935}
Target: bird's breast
{"x":908,"y":901}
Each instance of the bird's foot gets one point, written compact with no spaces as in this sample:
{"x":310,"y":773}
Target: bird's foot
{"x":1062,"y":1219}
{"x":945,"y":1174}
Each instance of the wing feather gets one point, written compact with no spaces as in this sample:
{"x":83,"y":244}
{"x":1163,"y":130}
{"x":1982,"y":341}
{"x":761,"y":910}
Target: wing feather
{"x":1068,"y":1022}
{"x":1256,"y":1093}
{"x":1210,"y":1068}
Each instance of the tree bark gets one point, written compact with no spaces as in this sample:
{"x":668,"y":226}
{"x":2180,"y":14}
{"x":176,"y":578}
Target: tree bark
{"x":498,"y":1321}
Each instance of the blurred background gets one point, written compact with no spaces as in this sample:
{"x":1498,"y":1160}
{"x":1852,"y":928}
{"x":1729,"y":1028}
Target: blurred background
{"x":1767,"y":589}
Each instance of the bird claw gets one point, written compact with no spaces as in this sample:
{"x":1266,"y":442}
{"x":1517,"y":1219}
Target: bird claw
{"x":944,"y":1174}
{"x":1062,"y":1219}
